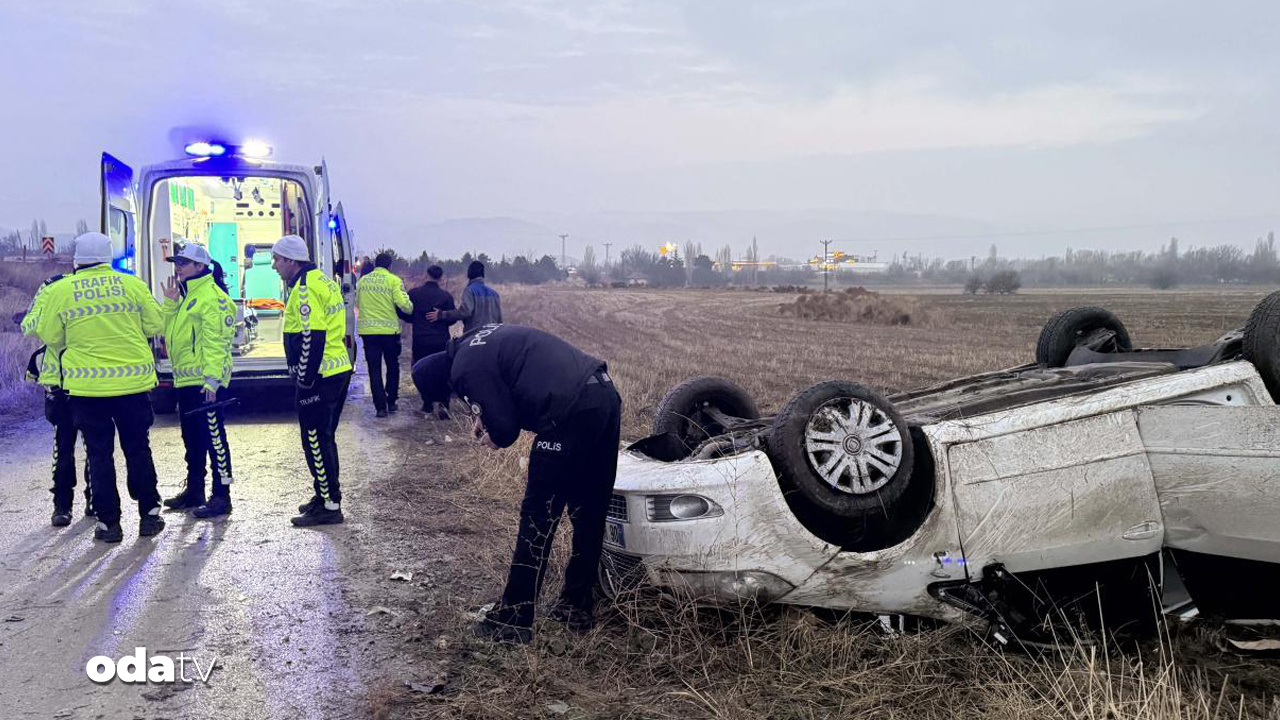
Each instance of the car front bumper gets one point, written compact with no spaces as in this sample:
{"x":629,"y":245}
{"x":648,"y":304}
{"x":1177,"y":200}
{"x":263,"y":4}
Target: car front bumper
{"x":753,"y":549}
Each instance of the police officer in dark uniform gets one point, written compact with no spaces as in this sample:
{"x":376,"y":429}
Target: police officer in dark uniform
{"x":519,"y":378}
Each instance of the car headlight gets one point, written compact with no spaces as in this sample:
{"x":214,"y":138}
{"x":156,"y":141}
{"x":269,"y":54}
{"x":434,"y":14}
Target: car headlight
{"x":669,"y":508}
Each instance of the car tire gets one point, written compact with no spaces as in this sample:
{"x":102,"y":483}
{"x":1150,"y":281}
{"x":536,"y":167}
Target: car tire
{"x":1262,"y":342}
{"x":164,"y":401}
{"x":862,"y":483}
{"x":682,"y":412}
{"x":1069,"y":328}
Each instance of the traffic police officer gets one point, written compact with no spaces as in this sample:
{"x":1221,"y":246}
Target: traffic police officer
{"x":44,"y":368}
{"x":315,"y":323}
{"x":199,"y":328}
{"x":519,"y":378}
{"x":102,"y":318}
{"x":378,"y":295}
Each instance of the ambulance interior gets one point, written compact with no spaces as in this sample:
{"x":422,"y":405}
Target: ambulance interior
{"x":237,"y":219}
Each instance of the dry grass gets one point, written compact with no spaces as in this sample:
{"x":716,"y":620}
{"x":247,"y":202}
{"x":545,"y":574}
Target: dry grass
{"x":18,"y":282}
{"x":667,"y":658}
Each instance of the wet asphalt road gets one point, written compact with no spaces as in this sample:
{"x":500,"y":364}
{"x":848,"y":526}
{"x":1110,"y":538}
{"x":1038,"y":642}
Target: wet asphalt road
{"x":270,"y":602}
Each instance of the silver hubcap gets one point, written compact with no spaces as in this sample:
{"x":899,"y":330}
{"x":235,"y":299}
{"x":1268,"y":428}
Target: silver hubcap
{"x":853,"y":446}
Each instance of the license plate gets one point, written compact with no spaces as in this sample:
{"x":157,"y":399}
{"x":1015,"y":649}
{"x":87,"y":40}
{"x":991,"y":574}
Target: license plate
{"x":613,"y":534}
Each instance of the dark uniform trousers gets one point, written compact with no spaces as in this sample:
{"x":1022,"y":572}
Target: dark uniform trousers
{"x":100,"y":418}
{"x":204,"y":434}
{"x":319,"y":409}
{"x":57,"y":410}
{"x":424,"y":346}
{"x":571,"y":467}
{"x":377,"y":350}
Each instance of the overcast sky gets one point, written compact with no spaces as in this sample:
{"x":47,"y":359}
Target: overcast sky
{"x":1081,"y":116}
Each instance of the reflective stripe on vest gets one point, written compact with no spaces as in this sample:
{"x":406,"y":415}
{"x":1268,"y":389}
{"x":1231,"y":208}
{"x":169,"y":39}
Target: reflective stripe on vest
{"x":88,"y":310}
{"x":119,"y":371}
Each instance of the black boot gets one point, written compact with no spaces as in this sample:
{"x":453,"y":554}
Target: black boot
{"x":61,"y":518}
{"x":192,"y":496}
{"x":311,"y":505}
{"x":321,"y":515}
{"x":150,"y":525}
{"x":108,"y":533}
{"x":501,"y":633}
{"x":217,"y":505}
{"x":577,"y":621}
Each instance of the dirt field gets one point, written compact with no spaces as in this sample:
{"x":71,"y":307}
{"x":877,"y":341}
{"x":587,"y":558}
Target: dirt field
{"x":424,"y":500}
{"x":676,"y":662}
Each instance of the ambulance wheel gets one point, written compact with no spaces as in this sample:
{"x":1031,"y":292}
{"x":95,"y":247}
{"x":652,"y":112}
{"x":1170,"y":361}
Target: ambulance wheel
{"x":164,"y":401}
{"x":1262,"y":342}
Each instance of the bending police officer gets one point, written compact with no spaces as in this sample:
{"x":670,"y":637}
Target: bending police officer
{"x":198,"y":331}
{"x":315,"y":323}
{"x":103,"y":319}
{"x":518,"y":378}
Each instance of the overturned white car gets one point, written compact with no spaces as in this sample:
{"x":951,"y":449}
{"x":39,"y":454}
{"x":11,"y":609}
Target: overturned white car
{"x":1009,"y":495}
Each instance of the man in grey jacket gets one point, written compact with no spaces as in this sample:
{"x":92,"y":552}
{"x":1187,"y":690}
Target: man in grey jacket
{"x":480,"y":304}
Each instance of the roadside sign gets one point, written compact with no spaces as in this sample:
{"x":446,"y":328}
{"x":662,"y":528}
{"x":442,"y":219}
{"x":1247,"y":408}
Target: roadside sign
{"x":46,"y":244}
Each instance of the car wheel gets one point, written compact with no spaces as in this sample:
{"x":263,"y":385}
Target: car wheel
{"x":1071,"y":328}
{"x":844,"y":449}
{"x":700,"y":408}
{"x":1262,"y":342}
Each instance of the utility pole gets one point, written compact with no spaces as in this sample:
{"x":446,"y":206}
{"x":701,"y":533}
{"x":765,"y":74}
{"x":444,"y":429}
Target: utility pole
{"x":606,"y":254}
{"x":562,"y":262}
{"x":826,"y":262}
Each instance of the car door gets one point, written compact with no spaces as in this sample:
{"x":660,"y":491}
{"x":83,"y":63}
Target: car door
{"x":1068,"y":494}
{"x":1217,"y":475}
{"x":119,"y":213}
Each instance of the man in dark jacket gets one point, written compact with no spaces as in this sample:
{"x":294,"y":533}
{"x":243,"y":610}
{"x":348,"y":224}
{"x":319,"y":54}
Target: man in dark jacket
{"x":517,"y":378}
{"x":480,"y":306}
{"x":430,"y":336}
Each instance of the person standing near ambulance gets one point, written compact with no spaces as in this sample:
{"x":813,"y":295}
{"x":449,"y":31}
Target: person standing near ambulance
{"x":315,"y":322}
{"x":45,"y":369}
{"x":102,"y":319}
{"x":378,"y":295}
{"x":199,"y":325}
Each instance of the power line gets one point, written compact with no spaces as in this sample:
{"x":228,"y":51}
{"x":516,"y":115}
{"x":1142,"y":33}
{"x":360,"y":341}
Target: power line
{"x":1068,"y":231}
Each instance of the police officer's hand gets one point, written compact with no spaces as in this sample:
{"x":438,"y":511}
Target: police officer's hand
{"x":433,"y":316}
{"x":210,"y":395}
{"x":477,"y":428}
{"x":488,"y":442}
{"x":171,"y":289}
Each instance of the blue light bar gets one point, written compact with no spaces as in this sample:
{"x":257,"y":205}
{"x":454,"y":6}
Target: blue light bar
{"x":333,"y":223}
{"x":205,"y":149}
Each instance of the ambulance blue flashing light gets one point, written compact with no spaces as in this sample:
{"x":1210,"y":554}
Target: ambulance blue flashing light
{"x":333,"y":224}
{"x":205,"y":149}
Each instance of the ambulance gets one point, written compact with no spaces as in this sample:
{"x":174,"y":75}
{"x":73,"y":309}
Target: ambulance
{"x":236,"y":202}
